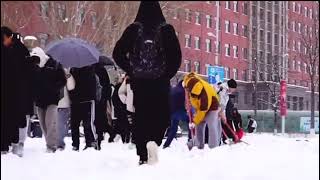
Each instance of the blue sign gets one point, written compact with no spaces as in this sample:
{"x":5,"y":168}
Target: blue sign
{"x":215,"y":74}
{"x":305,"y":123}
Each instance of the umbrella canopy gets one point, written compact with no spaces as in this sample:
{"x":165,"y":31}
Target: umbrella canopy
{"x":106,"y":61}
{"x":73,"y":52}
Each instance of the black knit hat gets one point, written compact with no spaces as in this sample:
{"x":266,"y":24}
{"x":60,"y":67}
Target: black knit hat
{"x":232,"y":83}
{"x":5,"y":31}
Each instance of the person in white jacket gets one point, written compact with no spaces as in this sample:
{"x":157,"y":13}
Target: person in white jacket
{"x":126,"y":96}
{"x":64,"y":110}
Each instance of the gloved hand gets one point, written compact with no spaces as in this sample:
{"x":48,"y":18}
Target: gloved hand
{"x":192,"y":125}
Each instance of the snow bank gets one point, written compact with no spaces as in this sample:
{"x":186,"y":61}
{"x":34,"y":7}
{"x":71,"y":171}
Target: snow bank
{"x":267,"y":157}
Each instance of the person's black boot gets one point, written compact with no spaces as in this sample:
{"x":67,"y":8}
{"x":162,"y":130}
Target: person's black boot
{"x":143,"y":160}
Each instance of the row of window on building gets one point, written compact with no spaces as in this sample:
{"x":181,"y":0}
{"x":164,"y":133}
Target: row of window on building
{"x":298,"y":8}
{"x":297,"y":27}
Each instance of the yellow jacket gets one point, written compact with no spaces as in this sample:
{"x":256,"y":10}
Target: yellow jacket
{"x":202,"y":95}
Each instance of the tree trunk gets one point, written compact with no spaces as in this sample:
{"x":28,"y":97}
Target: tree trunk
{"x":312,"y":129}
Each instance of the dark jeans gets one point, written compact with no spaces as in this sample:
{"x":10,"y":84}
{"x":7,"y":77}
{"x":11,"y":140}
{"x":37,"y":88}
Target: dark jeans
{"x":82,"y":112}
{"x":172,"y":131}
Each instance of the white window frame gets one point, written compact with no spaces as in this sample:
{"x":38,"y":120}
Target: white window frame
{"x":305,"y":11}
{"x":187,"y":67}
{"x":293,"y":45}
{"x":235,"y":51}
{"x":235,"y":29}
{"x":197,"y":67}
{"x":243,"y":54}
{"x":305,"y":30}
{"x":227,"y":6}
{"x":227,"y":49}
{"x":207,"y":68}
{"x":293,"y":26}
{"x":208,"y":45}
{"x":227,"y":72}
{"x":299,"y":28}
{"x":197,"y":43}
{"x":310,"y":13}
{"x":235,"y":74}
{"x":235,"y":5}
{"x":188,"y":15}
{"x":299,"y":8}
{"x":293,"y":6}
{"x":310,"y":31}
{"x":197,"y":18}
{"x":305,"y":67}
{"x":187,"y":38}
{"x":227,"y":26}
{"x":94,"y":20}
{"x":209,"y":21}
{"x":299,"y":66}
{"x":299,"y":46}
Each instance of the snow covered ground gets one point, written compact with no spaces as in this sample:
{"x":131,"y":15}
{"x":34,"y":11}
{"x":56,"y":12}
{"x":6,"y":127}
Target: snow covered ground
{"x":267,"y":157}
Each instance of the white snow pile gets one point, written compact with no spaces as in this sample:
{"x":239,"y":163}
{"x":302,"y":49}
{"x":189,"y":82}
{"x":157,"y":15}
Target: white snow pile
{"x":267,"y":157}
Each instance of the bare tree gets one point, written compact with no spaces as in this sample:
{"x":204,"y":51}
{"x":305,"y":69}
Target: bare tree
{"x":310,"y":56}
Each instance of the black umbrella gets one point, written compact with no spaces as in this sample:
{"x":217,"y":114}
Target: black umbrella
{"x":106,"y":61}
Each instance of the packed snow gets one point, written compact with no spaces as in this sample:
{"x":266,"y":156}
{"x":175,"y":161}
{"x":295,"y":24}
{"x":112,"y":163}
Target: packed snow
{"x":267,"y":157}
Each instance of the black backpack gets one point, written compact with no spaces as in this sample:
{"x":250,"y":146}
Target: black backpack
{"x":147,"y":59}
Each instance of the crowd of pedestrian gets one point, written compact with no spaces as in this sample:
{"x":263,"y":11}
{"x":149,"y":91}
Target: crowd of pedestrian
{"x":67,"y":98}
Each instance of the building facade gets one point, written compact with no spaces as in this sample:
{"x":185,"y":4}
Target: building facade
{"x":257,"y":42}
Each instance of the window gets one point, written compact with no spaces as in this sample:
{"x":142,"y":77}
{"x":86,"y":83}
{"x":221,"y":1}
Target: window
{"x":208,"y":2}
{"x":295,"y":103}
{"x":294,"y":45}
{"x":276,"y":39}
{"x":208,"y":45}
{"x":288,"y":101}
{"x":293,"y":26}
{"x":197,"y":42}
{"x":294,"y":65}
{"x":300,"y":103}
{"x":310,"y":31}
{"x":227,"y":46}
{"x":197,"y":67}
{"x":235,"y":74}
{"x":276,"y":20}
{"x":219,"y":24}
{"x":245,"y":8}
{"x":305,"y":50}
{"x":207,"y":69}
{"x":209,"y":21}
{"x":269,"y":17}
{"x":293,"y":6}
{"x":94,"y":20}
{"x":305,"y":11}
{"x":227,"y":73}
{"x":235,"y":29}
{"x":188,"y":15}
{"x":176,"y":14}
{"x":43,"y":39}
{"x":298,"y":66}
{"x":245,"y":30}
{"x":44,"y":7}
{"x":269,"y":37}
{"x":235,"y":52}
{"x":227,"y":23}
{"x":261,"y":35}
{"x":187,"y":40}
{"x":61,"y":11}
{"x":299,"y":8}
{"x":261,"y":14}
{"x":187,"y":66}
{"x":310,"y":13}
{"x":299,"y":28}
{"x":235,"y":6}
{"x":198,"y":18}
{"x":245,"y":53}
{"x":217,"y":3}
{"x":299,"y":46}
{"x":227,"y":4}
{"x":254,"y":11}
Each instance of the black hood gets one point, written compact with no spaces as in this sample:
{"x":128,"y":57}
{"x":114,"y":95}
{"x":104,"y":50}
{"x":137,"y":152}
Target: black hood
{"x":150,"y":14}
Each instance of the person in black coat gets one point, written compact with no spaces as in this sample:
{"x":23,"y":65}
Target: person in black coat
{"x":83,"y":106}
{"x":236,"y":118}
{"x":149,"y":94}
{"x":16,"y":98}
{"x":101,"y":121}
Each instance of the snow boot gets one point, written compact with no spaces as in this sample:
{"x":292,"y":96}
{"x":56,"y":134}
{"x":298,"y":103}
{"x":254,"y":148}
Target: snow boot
{"x":15,"y":149}
{"x":152,"y":148}
{"x":132,"y":146}
{"x":143,"y":160}
{"x":117,"y":138}
{"x":75,"y":148}
{"x":4,"y":152}
{"x":20,"y":149}
{"x":50,"y":150}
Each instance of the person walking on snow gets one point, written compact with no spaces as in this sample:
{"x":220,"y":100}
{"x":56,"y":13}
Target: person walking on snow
{"x":178,"y":112}
{"x":49,"y":80}
{"x":149,"y":52}
{"x":16,"y":93}
{"x":64,"y":109}
{"x":205,"y":100}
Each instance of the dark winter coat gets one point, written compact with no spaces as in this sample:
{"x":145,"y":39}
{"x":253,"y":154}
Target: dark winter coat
{"x":104,"y":79}
{"x":85,"y":89}
{"x":237,"y":120}
{"x":120,"y":109}
{"x":48,"y":83}
{"x":150,"y":18}
{"x":177,"y":98}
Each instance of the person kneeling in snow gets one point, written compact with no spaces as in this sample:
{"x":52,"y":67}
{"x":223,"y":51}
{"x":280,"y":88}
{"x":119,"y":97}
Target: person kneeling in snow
{"x":205,"y":100}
